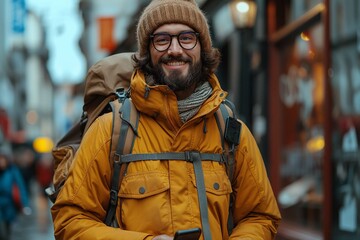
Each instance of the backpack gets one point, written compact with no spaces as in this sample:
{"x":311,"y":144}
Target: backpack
{"x":106,"y":93}
{"x":104,"y":83}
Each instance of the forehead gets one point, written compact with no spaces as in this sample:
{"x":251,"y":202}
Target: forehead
{"x":173,"y":28}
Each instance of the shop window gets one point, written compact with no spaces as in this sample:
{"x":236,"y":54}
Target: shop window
{"x":301,"y":89}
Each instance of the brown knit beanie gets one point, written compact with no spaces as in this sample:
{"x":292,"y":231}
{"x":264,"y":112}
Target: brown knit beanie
{"x":160,"y":12}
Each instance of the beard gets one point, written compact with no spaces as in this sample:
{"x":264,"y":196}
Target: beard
{"x":176,"y":80}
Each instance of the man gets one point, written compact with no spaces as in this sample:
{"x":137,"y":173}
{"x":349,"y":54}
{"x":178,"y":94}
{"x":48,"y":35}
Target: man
{"x":176,"y":92}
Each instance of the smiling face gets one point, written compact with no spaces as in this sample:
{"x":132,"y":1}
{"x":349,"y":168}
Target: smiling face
{"x":177,"y":67}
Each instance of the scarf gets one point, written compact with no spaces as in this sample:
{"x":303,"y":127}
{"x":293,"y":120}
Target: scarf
{"x":188,"y":107}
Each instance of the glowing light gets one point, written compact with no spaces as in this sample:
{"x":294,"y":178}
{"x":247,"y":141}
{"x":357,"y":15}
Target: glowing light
{"x":316,"y":144}
{"x":304,"y":37}
{"x":311,"y":54}
{"x":242,"y":7}
{"x":43,"y":144}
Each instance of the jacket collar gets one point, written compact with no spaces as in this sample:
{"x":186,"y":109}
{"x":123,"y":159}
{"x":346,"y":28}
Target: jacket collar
{"x":160,"y":102}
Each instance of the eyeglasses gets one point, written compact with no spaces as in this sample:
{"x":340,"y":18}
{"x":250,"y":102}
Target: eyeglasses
{"x":162,"y":41}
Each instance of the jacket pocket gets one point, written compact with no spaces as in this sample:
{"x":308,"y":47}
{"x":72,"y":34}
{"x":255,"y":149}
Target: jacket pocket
{"x":216,"y":182}
{"x":218,"y":192}
{"x":143,"y":185}
{"x":144,"y":201}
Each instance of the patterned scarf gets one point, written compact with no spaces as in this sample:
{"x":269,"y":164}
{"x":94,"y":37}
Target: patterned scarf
{"x":190,"y":106}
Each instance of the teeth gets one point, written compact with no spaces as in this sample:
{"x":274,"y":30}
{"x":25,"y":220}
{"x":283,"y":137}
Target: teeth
{"x":175,"y":63}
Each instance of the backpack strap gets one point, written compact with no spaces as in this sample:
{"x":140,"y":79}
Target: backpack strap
{"x":230,"y":129}
{"x":195,"y":157}
{"x":186,"y":156}
{"x":121,"y":156}
{"x":224,"y":116}
{"x":125,"y":115}
{"x":190,"y":156}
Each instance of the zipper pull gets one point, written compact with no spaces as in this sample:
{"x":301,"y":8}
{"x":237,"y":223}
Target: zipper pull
{"x":147,"y":91}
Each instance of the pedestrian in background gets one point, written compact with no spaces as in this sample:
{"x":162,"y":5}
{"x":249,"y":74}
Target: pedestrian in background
{"x":26,"y":158}
{"x":177,"y":93}
{"x":13,"y":195}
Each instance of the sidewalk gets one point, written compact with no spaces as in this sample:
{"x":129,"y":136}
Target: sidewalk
{"x":38,"y":225}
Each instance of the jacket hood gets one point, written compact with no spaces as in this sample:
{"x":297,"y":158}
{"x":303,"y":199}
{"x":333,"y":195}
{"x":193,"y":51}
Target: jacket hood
{"x":160,"y":101}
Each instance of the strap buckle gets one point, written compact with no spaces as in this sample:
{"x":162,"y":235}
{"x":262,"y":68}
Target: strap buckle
{"x":113,"y":197}
{"x":121,"y":93}
{"x":191,"y":156}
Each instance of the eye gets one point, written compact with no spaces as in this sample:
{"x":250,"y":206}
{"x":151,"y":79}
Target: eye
{"x":161,"y":39}
{"x":187,"y":37}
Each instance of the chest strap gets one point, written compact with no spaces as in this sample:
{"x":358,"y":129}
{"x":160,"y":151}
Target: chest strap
{"x":195,"y":158}
{"x":186,"y":156}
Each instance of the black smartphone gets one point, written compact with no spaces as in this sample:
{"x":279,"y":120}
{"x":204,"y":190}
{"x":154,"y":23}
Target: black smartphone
{"x":188,"y":234}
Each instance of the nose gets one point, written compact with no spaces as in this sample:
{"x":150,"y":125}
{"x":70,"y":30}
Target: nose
{"x":174,"y":47}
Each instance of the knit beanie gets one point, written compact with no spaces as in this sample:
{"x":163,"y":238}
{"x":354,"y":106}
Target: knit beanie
{"x":160,"y":12}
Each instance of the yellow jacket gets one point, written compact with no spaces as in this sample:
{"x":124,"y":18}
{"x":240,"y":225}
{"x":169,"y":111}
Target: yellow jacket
{"x":160,"y":197}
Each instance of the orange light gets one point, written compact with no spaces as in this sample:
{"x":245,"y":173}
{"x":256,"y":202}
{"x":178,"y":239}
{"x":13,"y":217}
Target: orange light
{"x":43,"y":145}
{"x":305,"y":37}
{"x":315,"y":144}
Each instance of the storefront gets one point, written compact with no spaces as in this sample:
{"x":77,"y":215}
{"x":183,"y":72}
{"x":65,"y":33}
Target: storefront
{"x":314,"y":101}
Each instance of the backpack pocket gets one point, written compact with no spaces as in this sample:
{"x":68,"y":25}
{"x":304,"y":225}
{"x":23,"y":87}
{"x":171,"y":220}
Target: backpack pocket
{"x":63,"y":158}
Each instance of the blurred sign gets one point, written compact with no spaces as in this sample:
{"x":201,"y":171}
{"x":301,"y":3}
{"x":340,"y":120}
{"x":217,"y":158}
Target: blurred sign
{"x":18,"y":16}
{"x":106,"y":33}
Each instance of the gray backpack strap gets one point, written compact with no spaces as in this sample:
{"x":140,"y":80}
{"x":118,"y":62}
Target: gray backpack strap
{"x":223,"y":115}
{"x":196,"y":158}
{"x":186,"y":156}
{"x":201,"y":191}
{"x":125,"y":116}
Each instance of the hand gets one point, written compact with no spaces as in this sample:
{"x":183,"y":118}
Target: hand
{"x":163,"y":237}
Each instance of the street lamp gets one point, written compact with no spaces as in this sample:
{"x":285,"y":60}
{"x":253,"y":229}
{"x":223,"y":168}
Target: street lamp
{"x":243,"y":13}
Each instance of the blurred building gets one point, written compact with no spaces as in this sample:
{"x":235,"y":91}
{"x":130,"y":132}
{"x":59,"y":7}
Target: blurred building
{"x":291,"y":67}
{"x":27,"y":91}
{"x":313,"y":116}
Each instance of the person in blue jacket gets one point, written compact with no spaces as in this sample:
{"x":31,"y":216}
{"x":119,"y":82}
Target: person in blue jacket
{"x":13,"y":194}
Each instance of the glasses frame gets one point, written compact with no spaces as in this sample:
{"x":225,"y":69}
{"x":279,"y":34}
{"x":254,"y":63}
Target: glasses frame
{"x":152,"y":36}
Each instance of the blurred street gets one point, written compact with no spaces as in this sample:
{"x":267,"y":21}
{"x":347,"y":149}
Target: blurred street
{"x":290,"y":68}
{"x":38,"y":225}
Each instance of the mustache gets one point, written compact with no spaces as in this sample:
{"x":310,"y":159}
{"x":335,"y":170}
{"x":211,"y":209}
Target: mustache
{"x":167,"y":59}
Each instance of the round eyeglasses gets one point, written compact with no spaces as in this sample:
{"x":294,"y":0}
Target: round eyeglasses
{"x":162,"y":41}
